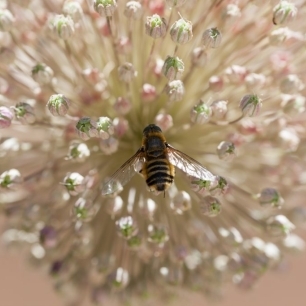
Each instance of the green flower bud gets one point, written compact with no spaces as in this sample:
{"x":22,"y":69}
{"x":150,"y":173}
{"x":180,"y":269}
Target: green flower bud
{"x":42,"y":74}
{"x":210,"y":206}
{"x":284,"y":12}
{"x":58,"y":105}
{"x":126,"y":227}
{"x":173,"y":68}
{"x":24,"y":113}
{"x":181,"y":31}
{"x":156,"y":26}
{"x":105,"y":7}
{"x":250,"y":105}
{"x":63,"y":26}
{"x":200,"y":113}
{"x":211,"y":38}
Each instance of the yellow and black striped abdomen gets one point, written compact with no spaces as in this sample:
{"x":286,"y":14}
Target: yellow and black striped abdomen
{"x":159,"y":173}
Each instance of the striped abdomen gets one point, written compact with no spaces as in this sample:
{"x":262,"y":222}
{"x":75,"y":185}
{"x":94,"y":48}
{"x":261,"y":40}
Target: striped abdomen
{"x":159,"y":173}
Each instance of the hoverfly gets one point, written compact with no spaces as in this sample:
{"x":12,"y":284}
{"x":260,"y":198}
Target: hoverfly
{"x":155,"y":160}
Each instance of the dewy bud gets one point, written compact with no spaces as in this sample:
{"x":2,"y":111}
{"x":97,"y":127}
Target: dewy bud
{"x":6,"y":117}
{"x":226,"y":150}
{"x":250,"y":105}
{"x":6,"y":20}
{"x":199,"y":56}
{"x":74,"y":183}
{"x":283,"y":12}
{"x":156,"y":26}
{"x":181,"y":31}
{"x":10,"y":178}
{"x":175,"y":3}
{"x":270,"y":197}
{"x":73,"y":9}
{"x":42,"y":74}
{"x":173,"y":68}
{"x":24,"y":113}
{"x":200,"y":113}
{"x":58,"y":105}
{"x":87,"y":128}
{"x":210,"y":206}
{"x":105,"y":7}
{"x":126,"y":72}
{"x":63,"y":26}
{"x":211,"y":38}
{"x":105,"y":127}
{"x":133,"y":9}
{"x":175,"y":90}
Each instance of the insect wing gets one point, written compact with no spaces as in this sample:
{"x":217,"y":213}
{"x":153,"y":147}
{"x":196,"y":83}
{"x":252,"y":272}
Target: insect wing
{"x":189,"y":165}
{"x":115,"y":184}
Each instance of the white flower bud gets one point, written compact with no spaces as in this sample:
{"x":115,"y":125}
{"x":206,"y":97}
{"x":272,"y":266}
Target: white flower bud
{"x":164,"y":121}
{"x":126,"y":227}
{"x":181,"y":31}
{"x":109,"y":146}
{"x":63,"y":26}
{"x":10,"y":178}
{"x":284,"y":12}
{"x":219,"y":109}
{"x":42,"y":74}
{"x":279,"y":225}
{"x":156,"y":26}
{"x":122,"y":105}
{"x":250,"y":105}
{"x":6,"y":20}
{"x":226,"y":150}
{"x":6,"y":117}
{"x":24,"y":113}
{"x":73,"y":9}
{"x":173,"y":68}
{"x":211,"y":38}
{"x":74,"y":183}
{"x":105,"y":8}
{"x":200,"y":113}
{"x":58,"y":105}
{"x":78,"y":151}
{"x":127,"y":72}
{"x":105,"y":127}
{"x":175,"y":90}
{"x":291,"y":84}
{"x":199,"y":56}
{"x":133,"y":9}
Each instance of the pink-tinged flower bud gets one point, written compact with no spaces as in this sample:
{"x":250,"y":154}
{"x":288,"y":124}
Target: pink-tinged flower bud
{"x":73,"y":9}
{"x":62,"y":26}
{"x":121,"y":126}
{"x":133,"y":9}
{"x":24,"y":113}
{"x":175,"y":90}
{"x":216,"y":83}
{"x":248,"y":127}
{"x":109,"y":146}
{"x":279,"y":226}
{"x":270,"y":197}
{"x":175,"y":3}
{"x":181,"y":31}
{"x":124,"y":45}
{"x":226,"y":151}
{"x":78,"y":151}
{"x":291,"y":84}
{"x":6,"y":20}
{"x":181,"y":202}
{"x":199,"y":56}
{"x":254,"y":81}
{"x":157,"y":7}
{"x":211,"y":38}
{"x":231,"y":11}
{"x":200,"y":113}
{"x":156,"y":26}
{"x":42,"y":74}
{"x":219,"y":109}
{"x":250,"y":105}
{"x":158,"y":67}
{"x":105,"y":7}
{"x":236,"y":74}
{"x":74,"y":183}
{"x":126,"y":227}
{"x":148,"y":93}
{"x":6,"y":117}
{"x":290,"y":139}
{"x":284,"y":12}
{"x":164,"y":121}
{"x":210,"y":206}
{"x":58,"y":105}
{"x":87,"y":128}
{"x":278,"y":36}
{"x":173,"y":68}
{"x":219,"y":186}
{"x":127,"y":72}
{"x":105,"y":127}
{"x":158,"y":234}
{"x":10,"y":178}
{"x":122,"y":105}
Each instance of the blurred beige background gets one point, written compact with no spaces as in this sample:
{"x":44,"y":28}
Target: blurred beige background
{"x":21,"y":285}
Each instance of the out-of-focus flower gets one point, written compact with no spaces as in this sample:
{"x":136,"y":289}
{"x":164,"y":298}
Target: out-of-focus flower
{"x":79,"y":82}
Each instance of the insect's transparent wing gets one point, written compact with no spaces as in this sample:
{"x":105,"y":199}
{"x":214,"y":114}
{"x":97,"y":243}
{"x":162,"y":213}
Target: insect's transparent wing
{"x":189,"y":165}
{"x":116,"y":182}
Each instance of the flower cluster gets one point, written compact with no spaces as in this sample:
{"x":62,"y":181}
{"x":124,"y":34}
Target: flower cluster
{"x":80,"y":80}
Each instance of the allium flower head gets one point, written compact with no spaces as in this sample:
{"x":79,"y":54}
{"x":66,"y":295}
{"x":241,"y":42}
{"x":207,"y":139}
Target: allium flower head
{"x":81,"y":80}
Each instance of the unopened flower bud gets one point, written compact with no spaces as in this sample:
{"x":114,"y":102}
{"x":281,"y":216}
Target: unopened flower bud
{"x":284,"y":12}
{"x":109,"y":146}
{"x":290,"y":139}
{"x":24,"y":113}
{"x":175,"y":90}
{"x":6,"y":20}
{"x":219,"y":186}
{"x":126,"y":227}
{"x":279,"y":225}
{"x":63,"y":26}
{"x":211,"y":38}
{"x":105,"y":127}
{"x":291,"y":84}
{"x":148,"y":92}
{"x":78,"y":151}
{"x":173,"y":68}
{"x":164,"y":121}
{"x":42,"y":74}
{"x":210,"y":206}
{"x":232,"y":236}
{"x":122,"y":105}
{"x":133,"y":9}
{"x":126,"y":72}
{"x":231,"y":11}
{"x":105,"y":7}
{"x":121,"y":126}
{"x":200,"y":113}
{"x":58,"y":105}
{"x":219,"y":109}
{"x":181,"y":31}
{"x":73,"y":9}
{"x":181,"y":202}
{"x":10,"y":178}
{"x":74,"y":183}
{"x":254,"y":81}
{"x":6,"y":117}
{"x":175,"y":3}
{"x":270,"y":197}
{"x":118,"y":279}
{"x":226,"y":150}
{"x":216,"y":83}
{"x":87,"y":128}
{"x":278,"y":36}
{"x":158,"y":234}
{"x":48,"y":237}
{"x":156,"y":26}
{"x":85,"y":209}
{"x":294,"y":243}
{"x":236,"y":74}
{"x":199,"y":56}
{"x":250,"y":105}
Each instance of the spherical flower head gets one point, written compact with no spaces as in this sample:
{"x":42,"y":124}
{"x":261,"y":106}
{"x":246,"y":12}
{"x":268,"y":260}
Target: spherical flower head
{"x":42,"y":74}
{"x":133,"y":9}
{"x":6,"y":20}
{"x":181,"y":31}
{"x":211,"y":38}
{"x":200,"y":113}
{"x":105,"y":127}
{"x":250,"y":105}
{"x":73,"y":9}
{"x":87,"y":128}
{"x":283,"y":12}
{"x":175,"y":90}
{"x":175,"y":3}
{"x":62,"y":26}
{"x":173,"y":68}
{"x":156,"y":26}
{"x":105,"y":8}
{"x":270,"y":197}
{"x":127,"y":72}
{"x":58,"y":105}
{"x":10,"y":178}
{"x":24,"y":113}
{"x":6,"y":117}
